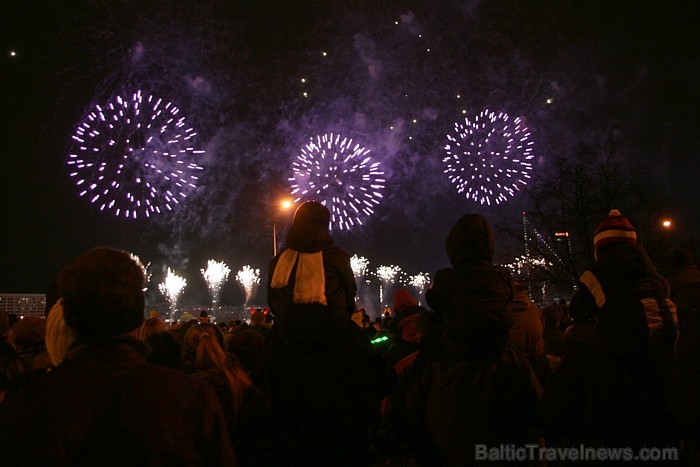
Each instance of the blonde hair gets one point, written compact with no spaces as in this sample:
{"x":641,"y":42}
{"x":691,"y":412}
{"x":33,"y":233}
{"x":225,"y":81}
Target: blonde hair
{"x":59,"y":336}
{"x":151,"y":326}
{"x":210,"y":355}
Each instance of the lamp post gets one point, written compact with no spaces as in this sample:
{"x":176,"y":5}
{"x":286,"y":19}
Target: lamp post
{"x":284,"y":205}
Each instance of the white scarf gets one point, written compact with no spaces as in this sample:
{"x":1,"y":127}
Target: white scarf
{"x":310,"y":279}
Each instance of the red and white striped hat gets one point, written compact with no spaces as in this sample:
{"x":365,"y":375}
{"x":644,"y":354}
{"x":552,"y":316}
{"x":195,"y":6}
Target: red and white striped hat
{"x":615,"y":229}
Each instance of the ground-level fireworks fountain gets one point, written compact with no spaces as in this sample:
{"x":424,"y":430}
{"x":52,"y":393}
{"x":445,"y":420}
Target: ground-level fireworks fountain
{"x":387,"y":276}
{"x":419,"y":282}
{"x":249,"y":279}
{"x":172,"y":288}
{"x":215,"y":276}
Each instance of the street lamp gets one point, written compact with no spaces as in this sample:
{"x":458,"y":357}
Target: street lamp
{"x":284,"y":205}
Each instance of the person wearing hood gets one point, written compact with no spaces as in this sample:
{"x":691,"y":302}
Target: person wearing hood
{"x":473,"y":295}
{"x":608,"y":391}
{"x":467,"y":386}
{"x":318,"y":371}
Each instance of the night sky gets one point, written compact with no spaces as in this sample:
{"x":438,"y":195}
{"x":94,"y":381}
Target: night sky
{"x":258,"y":79}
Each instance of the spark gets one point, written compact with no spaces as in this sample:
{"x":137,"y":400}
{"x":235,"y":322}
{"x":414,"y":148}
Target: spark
{"x":134,"y":156}
{"x":215,"y":276}
{"x":248,"y":278}
{"x":341,"y":175}
{"x":489,"y":159}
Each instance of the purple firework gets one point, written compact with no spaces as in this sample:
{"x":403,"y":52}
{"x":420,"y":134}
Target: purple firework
{"x":340,"y":175}
{"x":488,"y":159}
{"x":134,"y":156}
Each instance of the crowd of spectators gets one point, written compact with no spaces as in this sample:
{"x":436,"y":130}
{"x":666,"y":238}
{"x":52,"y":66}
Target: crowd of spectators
{"x":313,"y":380}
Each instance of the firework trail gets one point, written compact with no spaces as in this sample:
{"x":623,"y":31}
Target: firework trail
{"x":249,"y":279}
{"x":215,"y":276}
{"x":172,"y":288}
{"x":134,"y":156}
{"x":340,"y":175}
{"x":488,"y":159}
{"x":419,"y":281}
{"x":387,"y":275}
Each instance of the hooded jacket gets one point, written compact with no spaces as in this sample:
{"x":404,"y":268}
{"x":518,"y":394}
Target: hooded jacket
{"x":473,"y":294}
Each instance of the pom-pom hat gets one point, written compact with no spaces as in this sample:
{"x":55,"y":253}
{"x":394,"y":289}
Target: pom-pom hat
{"x":615,"y":229}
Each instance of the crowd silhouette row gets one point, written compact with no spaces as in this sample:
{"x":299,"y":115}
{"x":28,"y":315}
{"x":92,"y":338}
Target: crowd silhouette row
{"x":311,"y":380}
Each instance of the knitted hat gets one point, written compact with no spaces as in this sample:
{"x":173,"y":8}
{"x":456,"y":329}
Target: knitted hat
{"x":613,"y":230}
{"x":102,"y":293}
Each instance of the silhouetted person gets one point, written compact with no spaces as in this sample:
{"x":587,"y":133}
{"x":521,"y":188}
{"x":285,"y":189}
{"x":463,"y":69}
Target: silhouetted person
{"x":316,"y":368}
{"x":104,"y":404}
{"x":470,"y":386}
{"x":608,"y":390}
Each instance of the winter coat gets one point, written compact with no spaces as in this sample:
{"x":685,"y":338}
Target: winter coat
{"x":599,"y":398}
{"x":469,"y":386}
{"x":620,"y":281}
{"x":340,"y":284}
{"x":608,"y":390}
{"x":449,"y":402}
{"x":105,"y":405}
{"x":473,"y":295}
{"x":323,"y":390}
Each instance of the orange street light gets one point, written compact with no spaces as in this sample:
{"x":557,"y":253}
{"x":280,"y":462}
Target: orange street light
{"x":666,"y":223}
{"x":284,"y":205}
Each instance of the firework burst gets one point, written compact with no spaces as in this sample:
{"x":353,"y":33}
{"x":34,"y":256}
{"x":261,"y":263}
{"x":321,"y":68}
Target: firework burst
{"x":215,"y":276}
{"x":488,"y":159}
{"x":134,"y":156}
{"x":340,"y":175}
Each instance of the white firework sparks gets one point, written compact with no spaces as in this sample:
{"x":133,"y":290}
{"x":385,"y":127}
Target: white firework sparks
{"x":359,"y":265}
{"x":249,"y":279}
{"x":489,"y":159}
{"x":134,"y":156}
{"x":215,"y":276}
{"x":387,"y":274}
{"x":340,"y":175}
{"x":419,"y":282}
{"x":172,"y":288}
